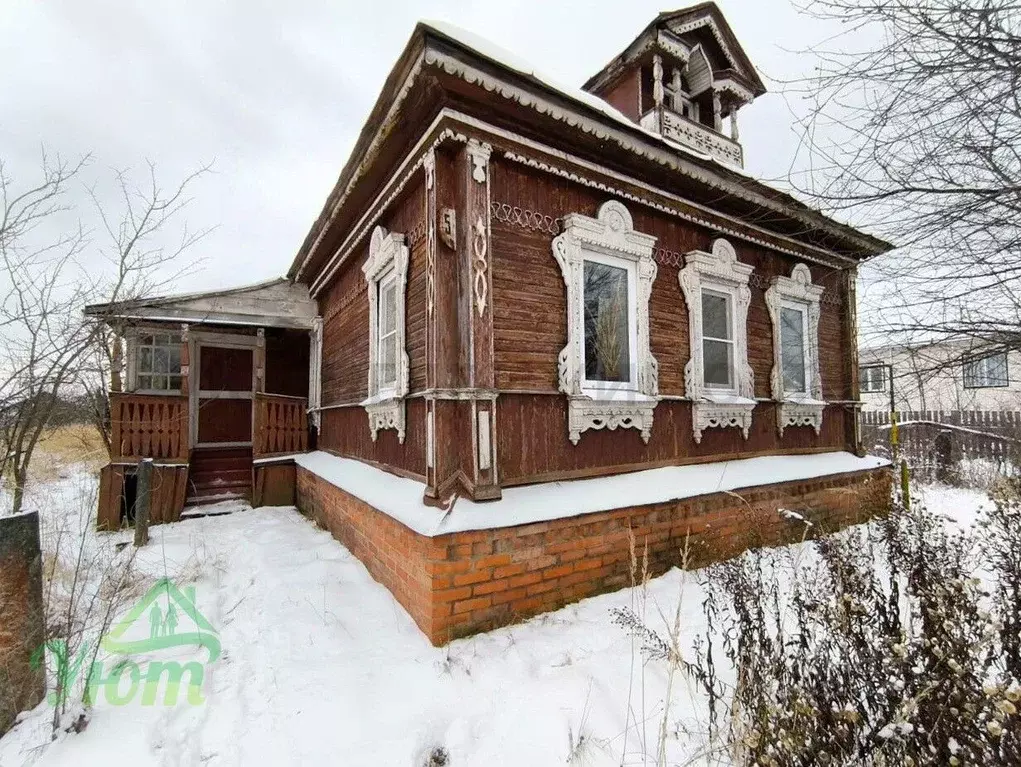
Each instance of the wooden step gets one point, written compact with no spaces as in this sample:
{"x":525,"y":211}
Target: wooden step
{"x":218,"y":474}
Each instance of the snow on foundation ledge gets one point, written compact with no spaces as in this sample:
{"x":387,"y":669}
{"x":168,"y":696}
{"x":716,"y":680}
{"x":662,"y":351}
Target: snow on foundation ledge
{"x":401,"y":498}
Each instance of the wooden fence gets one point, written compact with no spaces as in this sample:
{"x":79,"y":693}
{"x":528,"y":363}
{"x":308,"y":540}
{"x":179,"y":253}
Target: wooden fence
{"x":947,"y":445}
{"x":149,"y":426}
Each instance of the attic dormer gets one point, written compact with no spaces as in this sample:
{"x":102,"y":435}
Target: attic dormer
{"x":685,"y":77}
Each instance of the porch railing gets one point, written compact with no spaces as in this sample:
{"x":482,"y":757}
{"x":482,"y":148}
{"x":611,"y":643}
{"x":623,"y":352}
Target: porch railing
{"x":149,"y":426}
{"x":281,"y":425}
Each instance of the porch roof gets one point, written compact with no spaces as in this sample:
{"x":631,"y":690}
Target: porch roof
{"x":277,"y":303}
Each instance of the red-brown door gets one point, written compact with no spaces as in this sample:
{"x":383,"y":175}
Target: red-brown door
{"x":225,"y":396}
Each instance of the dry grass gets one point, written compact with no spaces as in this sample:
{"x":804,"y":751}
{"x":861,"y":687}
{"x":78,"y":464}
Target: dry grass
{"x":63,"y":446}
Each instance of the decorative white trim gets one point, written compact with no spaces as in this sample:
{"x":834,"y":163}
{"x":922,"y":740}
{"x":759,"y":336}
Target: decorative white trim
{"x":315,"y":370}
{"x":712,"y":408}
{"x":797,"y":409}
{"x":480,"y":265}
{"x":479,"y":153}
{"x":706,"y":21}
{"x":386,"y":408}
{"x":611,"y":233}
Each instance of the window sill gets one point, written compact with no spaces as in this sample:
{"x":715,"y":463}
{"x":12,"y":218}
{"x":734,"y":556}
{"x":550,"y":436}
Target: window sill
{"x":719,"y":410}
{"x":610,"y":409}
{"x":800,"y":411}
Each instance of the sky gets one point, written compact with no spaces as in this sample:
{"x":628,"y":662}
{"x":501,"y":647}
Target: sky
{"x":274,"y":93}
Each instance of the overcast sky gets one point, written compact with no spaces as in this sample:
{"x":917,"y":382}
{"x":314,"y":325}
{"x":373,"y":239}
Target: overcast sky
{"x":274,"y":93}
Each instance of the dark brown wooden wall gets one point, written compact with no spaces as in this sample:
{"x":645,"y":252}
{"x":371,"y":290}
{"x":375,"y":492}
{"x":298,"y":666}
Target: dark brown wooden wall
{"x":624,"y":94}
{"x":530,"y":330}
{"x":287,"y":362}
{"x":344,"y":307}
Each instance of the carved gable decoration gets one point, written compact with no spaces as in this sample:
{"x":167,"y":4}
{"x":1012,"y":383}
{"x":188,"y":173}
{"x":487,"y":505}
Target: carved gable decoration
{"x":610,"y":239}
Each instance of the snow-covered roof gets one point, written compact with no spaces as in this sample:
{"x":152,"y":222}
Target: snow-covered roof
{"x":401,"y":498}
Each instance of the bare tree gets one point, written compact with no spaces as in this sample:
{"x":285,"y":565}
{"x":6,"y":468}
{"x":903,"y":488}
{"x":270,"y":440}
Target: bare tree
{"x":43,"y":335}
{"x":49,"y":348}
{"x":140,"y":263}
{"x":914,"y":131}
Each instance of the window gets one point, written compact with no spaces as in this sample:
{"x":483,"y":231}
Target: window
{"x":872,"y":379}
{"x":717,"y":340}
{"x":986,"y":372}
{"x":793,"y":303}
{"x":609,"y":322}
{"x":158,"y":362}
{"x":607,"y":369}
{"x":718,"y":379}
{"x":793,"y":351}
{"x":386,"y":277}
{"x":387,"y":333}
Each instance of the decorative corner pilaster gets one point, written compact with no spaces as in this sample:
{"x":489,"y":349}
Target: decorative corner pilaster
{"x":479,"y":153}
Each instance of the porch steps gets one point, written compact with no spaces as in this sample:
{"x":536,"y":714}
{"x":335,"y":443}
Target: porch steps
{"x":219,"y":474}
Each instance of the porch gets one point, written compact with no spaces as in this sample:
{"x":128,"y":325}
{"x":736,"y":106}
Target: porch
{"x":212,"y":400}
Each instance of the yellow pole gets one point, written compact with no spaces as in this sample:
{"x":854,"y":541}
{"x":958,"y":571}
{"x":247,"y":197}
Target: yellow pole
{"x":894,"y":436}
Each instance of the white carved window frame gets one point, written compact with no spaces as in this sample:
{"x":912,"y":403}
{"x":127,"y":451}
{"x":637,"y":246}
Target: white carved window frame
{"x":609,"y":238}
{"x":719,"y":272}
{"x":388,"y":256}
{"x":797,"y":291}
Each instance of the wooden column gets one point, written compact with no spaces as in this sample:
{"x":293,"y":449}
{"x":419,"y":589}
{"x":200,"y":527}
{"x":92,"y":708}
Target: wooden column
{"x":116,"y":360}
{"x":474,"y":264}
{"x":444,"y":221}
{"x":185,"y":362}
{"x":259,"y":361}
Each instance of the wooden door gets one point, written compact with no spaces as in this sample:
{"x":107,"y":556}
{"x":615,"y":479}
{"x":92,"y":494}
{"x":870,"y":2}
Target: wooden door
{"x":224,"y":401}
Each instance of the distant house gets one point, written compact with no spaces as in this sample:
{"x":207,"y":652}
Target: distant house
{"x":949,"y":375}
{"x":541,"y":328}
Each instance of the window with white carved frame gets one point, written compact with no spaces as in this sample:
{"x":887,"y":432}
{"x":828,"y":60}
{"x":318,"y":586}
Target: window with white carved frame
{"x":718,"y":379}
{"x":607,"y":369}
{"x":793,"y":303}
{"x":157,"y":362}
{"x":872,"y":379}
{"x":986,"y":372}
{"x":386,"y":277}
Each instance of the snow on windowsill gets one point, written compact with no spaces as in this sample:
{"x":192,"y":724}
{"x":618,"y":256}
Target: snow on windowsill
{"x":381,"y":398}
{"x":803,"y":399}
{"x":616,"y":395}
{"x":720,"y":398}
{"x":401,"y":498}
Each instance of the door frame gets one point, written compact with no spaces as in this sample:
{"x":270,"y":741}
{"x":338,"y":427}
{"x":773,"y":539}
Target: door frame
{"x":220,"y":341}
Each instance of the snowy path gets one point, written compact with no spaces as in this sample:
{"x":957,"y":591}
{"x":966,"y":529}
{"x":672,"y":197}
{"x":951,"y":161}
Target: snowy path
{"x":321,"y":665}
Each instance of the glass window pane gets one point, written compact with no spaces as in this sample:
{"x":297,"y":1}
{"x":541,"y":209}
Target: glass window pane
{"x":388,"y":307}
{"x":998,"y":370}
{"x":715,"y":319}
{"x":159,"y":383}
{"x":145,"y":359}
{"x":174,"y":355}
{"x":607,"y":352}
{"x":145,"y":340}
{"x":792,"y":349}
{"x":388,"y":361}
{"x":144,"y":382}
{"x":160,"y":360}
{"x":175,"y":382}
{"x":716,"y":363}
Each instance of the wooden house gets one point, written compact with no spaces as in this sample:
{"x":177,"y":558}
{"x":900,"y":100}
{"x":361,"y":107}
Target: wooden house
{"x":550,"y":325}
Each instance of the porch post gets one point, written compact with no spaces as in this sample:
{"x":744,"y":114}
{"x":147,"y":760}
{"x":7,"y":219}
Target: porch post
{"x":185,"y":362}
{"x":116,"y":361}
{"x":260,"y":361}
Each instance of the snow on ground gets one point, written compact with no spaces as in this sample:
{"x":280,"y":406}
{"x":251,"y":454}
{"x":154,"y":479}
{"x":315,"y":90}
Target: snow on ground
{"x":321,"y":665}
{"x":959,"y":505}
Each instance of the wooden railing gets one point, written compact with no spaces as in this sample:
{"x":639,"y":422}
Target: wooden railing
{"x":281,"y":425}
{"x":148,"y":426}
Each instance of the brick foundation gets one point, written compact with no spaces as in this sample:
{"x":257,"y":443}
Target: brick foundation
{"x":21,"y":616}
{"x":461,"y":583}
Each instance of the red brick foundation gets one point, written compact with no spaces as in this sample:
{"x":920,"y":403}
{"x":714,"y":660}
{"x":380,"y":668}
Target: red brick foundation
{"x":461,"y":583}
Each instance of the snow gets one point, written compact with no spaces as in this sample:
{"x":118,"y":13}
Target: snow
{"x":958,"y":505}
{"x":401,"y":498}
{"x":321,"y":664}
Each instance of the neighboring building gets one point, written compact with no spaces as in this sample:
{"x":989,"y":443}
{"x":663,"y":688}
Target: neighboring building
{"x":946,"y":376}
{"x":517,"y":284}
